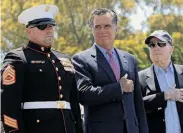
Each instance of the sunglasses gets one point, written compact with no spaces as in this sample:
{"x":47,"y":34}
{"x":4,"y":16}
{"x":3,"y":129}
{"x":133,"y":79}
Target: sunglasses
{"x":43,"y":26}
{"x":160,"y":44}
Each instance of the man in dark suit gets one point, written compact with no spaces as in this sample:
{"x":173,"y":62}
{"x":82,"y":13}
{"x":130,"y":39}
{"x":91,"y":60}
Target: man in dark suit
{"x":162,"y":86}
{"x":108,"y":83}
{"x":39,"y":92}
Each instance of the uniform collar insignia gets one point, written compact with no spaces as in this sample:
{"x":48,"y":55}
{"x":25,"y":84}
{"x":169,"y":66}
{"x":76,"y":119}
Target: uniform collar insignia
{"x":38,"y":48}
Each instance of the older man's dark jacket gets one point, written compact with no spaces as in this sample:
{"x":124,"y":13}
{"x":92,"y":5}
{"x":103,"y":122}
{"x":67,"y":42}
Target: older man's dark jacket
{"x":155,"y":104}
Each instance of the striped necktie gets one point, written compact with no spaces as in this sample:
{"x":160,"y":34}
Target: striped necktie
{"x":113,"y":65}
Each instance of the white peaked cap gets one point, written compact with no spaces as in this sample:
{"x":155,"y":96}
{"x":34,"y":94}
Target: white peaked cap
{"x":38,"y":12}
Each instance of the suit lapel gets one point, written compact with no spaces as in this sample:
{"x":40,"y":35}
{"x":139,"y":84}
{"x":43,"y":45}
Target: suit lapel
{"x":179,"y":80}
{"x":102,"y":62}
{"x":123,"y":62}
{"x":150,"y":78}
{"x":179,"y":84}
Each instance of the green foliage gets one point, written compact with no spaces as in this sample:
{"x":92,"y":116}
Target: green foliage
{"x":74,"y":34}
{"x":178,"y":47}
{"x":134,"y":44}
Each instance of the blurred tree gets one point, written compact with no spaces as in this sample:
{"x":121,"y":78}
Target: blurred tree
{"x":178,"y":47}
{"x":134,"y":44}
{"x":73,"y":33}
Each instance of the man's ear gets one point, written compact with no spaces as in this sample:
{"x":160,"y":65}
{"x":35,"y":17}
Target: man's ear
{"x":117,"y":30}
{"x":28,"y":30}
{"x":172,"y":49}
{"x":92,"y":31}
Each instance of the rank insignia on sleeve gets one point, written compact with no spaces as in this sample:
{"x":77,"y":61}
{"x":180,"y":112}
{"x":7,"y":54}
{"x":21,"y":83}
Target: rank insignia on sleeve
{"x":10,"y":122}
{"x":9,"y":76}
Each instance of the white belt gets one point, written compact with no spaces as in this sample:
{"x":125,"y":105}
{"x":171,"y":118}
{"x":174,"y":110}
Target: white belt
{"x":47,"y":105}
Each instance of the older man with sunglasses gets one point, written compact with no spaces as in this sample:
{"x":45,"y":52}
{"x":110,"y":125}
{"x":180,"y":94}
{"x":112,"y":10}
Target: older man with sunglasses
{"x":39,"y":93}
{"x":162,"y":86}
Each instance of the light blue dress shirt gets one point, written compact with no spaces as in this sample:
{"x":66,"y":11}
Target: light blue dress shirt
{"x":166,"y":81}
{"x":114,"y":54}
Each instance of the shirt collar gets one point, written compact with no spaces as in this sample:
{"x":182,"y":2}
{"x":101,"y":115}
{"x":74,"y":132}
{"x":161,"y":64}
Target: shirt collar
{"x":38,"y":48}
{"x":158,"y":69}
{"x":103,"y":50}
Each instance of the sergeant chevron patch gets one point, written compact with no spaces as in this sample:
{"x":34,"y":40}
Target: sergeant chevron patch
{"x":10,"y":122}
{"x":9,"y":76}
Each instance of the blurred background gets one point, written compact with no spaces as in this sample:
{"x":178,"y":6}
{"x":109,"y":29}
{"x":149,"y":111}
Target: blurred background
{"x":137,"y":18}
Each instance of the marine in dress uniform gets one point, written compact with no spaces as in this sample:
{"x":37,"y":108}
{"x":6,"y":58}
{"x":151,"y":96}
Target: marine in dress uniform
{"x":39,"y":93}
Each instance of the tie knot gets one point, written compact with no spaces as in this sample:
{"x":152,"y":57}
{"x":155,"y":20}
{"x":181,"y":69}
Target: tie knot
{"x":109,"y":53}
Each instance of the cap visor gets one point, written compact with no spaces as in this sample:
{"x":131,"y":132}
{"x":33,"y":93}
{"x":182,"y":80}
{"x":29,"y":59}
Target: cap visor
{"x":147,"y":41}
{"x":47,"y":22}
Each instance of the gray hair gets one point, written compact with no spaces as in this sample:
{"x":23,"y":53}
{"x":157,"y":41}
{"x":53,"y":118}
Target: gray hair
{"x":103,"y":11}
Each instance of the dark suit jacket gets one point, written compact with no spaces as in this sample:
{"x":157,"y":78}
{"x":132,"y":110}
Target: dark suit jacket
{"x":102,"y":97}
{"x":155,"y":104}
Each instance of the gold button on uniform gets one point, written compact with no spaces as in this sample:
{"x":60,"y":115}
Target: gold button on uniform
{"x":61,"y":96}
{"x":59,"y":78}
{"x":60,"y":87}
{"x":42,"y":48}
{"x":38,"y":121}
{"x":48,"y":55}
{"x":56,"y":69}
